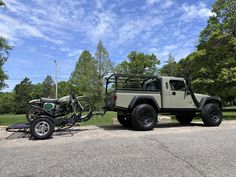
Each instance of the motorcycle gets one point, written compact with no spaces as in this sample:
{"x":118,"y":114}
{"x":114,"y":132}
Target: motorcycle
{"x":44,"y":114}
{"x":61,"y":107}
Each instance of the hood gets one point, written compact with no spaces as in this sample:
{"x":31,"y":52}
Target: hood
{"x":200,"y":96}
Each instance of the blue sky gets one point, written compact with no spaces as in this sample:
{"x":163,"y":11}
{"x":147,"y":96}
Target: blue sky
{"x":43,"y":30}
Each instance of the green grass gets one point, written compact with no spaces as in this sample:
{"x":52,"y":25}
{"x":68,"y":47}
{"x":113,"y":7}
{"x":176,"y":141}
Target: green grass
{"x":100,"y":120}
{"x":226,"y":116}
{"x":229,"y":115}
{"x":9,"y":119}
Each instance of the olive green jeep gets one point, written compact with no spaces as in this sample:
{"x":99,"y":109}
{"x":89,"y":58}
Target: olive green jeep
{"x":138,"y":99}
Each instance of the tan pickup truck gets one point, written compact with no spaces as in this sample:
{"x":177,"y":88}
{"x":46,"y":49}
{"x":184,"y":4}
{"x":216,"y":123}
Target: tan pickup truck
{"x":138,"y":99}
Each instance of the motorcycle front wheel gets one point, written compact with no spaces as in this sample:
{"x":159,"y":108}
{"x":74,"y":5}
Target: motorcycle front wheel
{"x":83,"y":110}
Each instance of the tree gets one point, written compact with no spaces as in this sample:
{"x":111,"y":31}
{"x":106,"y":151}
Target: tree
{"x":6,"y":103}
{"x":2,"y":3}
{"x":85,"y":79}
{"x":213,"y":65}
{"x":23,"y":94}
{"x":170,"y":69}
{"x":65,"y":88}
{"x":103,"y":60}
{"x":37,"y":91}
{"x":139,"y":63}
{"x":4,"y":53}
{"x":48,"y":86}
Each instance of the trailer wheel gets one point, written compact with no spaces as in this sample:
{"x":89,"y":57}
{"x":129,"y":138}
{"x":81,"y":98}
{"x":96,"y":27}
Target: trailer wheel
{"x":144,"y":117}
{"x":124,"y":120}
{"x":211,"y":115}
{"x":184,"y":119}
{"x":42,"y":128}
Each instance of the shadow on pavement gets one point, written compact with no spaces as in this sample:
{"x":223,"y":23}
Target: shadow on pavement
{"x":26,"y":134}
{"x":159,"y":125}
{"x":170,"y":125}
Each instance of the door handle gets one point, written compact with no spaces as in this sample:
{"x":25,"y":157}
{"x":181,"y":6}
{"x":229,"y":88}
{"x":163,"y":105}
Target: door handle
{"x":173,"y":93}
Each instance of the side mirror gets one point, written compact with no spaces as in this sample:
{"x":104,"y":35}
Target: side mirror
{"x":188,"y":92}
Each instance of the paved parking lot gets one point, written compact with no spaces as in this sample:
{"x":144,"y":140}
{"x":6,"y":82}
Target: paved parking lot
{"x":168,"y":150}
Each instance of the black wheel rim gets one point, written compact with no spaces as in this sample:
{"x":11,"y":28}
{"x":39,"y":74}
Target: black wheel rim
{"x":215,"y":115}
{"x":146,"y":118}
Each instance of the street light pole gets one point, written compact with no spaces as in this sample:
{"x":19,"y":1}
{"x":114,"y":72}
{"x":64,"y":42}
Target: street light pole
{"x":56,"y":76}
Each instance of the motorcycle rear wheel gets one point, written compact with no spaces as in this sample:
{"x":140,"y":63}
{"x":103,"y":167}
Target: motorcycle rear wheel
{"x":32,"y":113}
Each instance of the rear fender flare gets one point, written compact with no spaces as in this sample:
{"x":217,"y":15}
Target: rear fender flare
{"x":144,"y":99}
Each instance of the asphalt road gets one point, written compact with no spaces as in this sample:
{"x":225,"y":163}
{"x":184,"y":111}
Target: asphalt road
{"x":168,"y":150}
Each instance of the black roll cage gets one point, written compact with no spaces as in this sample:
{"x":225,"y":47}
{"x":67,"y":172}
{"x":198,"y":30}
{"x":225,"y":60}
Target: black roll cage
{"x":124,"y":78}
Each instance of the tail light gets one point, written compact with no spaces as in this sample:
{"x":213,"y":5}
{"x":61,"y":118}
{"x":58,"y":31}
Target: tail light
{"x":114,"y":97}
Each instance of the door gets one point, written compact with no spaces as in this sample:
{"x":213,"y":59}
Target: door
{"x":178,"y":96}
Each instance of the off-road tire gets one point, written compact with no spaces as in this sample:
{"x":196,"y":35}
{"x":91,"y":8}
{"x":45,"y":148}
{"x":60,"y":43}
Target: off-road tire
{"x":144,"y":117}
{"x":184,"y":119}
{"x":47,"y":127}
{"x":211,"y":114}
{"x":124,"y":120}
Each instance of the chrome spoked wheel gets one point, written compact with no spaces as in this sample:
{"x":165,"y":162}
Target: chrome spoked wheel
{"x":42,"y":128}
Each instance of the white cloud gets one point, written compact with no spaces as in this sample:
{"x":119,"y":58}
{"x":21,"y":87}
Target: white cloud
{"x":167,"y":3}
{"x":196,"y":11}
{"x":75,"y":53}
{"x":13,"y":29}
{"x":170,"y":47}
{"x":152,"y":2}
{"x":100,"y":3}
{"x":134,"y":27}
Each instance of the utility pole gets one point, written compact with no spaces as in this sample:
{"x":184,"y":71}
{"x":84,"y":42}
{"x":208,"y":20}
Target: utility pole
{"x":56,"y":75}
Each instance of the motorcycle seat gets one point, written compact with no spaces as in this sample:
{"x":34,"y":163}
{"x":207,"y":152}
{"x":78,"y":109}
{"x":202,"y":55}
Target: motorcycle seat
{"x":49,"y":100}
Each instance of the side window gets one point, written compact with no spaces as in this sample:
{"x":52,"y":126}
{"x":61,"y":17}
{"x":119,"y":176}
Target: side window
{"x":177,"y":85}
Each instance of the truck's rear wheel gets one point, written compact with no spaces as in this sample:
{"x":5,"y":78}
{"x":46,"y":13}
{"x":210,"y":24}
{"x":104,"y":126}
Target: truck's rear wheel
{"x":124,"y":120}
{"x":184,"y":119}
{"x":211,"y":115}
{"x":144,"y":117}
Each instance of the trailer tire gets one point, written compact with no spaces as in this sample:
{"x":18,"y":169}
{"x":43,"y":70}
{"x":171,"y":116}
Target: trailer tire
{"x":211,"y":114}
{"x":144,"y":117}
{"x":42,"y":128}
{"x":124,"y":120}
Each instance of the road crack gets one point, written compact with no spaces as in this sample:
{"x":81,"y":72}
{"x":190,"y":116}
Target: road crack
{"x":166,"y":149}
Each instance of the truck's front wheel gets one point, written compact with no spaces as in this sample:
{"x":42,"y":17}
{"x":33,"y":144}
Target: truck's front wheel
{"x":144,"y":117}
{"x":211,"y":115}
{"x":124,"y":120}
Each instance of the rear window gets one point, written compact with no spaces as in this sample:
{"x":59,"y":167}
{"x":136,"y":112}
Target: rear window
{"x":152,"y":86}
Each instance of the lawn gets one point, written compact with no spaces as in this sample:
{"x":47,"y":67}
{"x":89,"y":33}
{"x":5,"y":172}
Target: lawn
{"x":8,"y":119}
